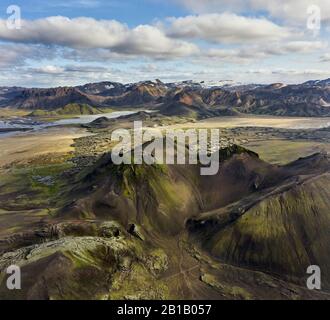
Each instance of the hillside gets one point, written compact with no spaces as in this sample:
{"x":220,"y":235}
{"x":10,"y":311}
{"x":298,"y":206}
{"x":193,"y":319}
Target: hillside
{"x":280,"y":231}
{"x":69,"y":109}
{"x":307,"y":100}
{"x":249,"y":232}
{"x":48,"y":99}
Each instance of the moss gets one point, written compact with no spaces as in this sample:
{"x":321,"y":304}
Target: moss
{"x":157,"y":261}
{"x":138,"y":284}
{"x":34,"y":186}
{"x":92,"y":268}
{"x":69,"y":110}
{"x":229,"y":291}
{"x":283,"y":234}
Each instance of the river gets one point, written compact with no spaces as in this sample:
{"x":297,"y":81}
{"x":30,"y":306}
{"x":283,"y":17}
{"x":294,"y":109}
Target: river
{"x":31,"y":124}
{"x":18,"y":124}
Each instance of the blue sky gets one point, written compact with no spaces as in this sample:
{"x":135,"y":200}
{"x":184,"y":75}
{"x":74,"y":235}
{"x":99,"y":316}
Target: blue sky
{"x":132,"y":12}
{"x":69,"y":42}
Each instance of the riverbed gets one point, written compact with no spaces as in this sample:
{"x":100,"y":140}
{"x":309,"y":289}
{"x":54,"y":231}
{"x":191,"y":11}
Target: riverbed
{"x":17,"y":125}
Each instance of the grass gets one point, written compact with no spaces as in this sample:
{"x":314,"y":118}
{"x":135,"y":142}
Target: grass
{"x":67,"y":112}
{"x":9,"y":112}
{"x":32,"y":187}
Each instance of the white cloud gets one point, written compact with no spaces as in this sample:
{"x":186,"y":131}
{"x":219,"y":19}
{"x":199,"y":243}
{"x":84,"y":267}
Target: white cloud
{"x":253,"y":53}
{"x":226,"y":28}
{"x":49,"y":69}
{"x":58,"y":48}
{"x":87,"y":33}
{"x":87,"y":39}
{"x":292,"y":11}
{"x":283,"y":75}
{"x":325,"y":57}
{"x":16,"y":55}
{"x":298,"y":47}
{"x":290,"y":72}
{"x":151,"y":41}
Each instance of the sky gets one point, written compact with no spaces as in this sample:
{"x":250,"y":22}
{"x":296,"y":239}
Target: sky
{"x":72,"y":42}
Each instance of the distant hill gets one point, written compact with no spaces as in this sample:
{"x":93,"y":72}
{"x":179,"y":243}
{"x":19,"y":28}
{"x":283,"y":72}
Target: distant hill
{"x":186,"y":98}
{"x":69,"y":109}
{"x":48,"y":99}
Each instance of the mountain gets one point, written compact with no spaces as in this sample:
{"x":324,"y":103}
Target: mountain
{"x":69,"y":109}
{"x":308,"y":99}
{"x":290,"y":100}
{"x":282,"y":230}
{"x":139,"y":94}
{"x":48,"y":99}
{"x":276,"y":99}
{"x":320,"y":83}
{"x":8,"y":93}
{"x":165,"y":231}
{"x":104,"y":89}
{"x":251,"y":214}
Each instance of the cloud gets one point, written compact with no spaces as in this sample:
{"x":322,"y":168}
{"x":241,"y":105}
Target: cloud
{"x":226,"y":28}
{"x":290,"y":72}
{"x":240,"y":55}
{"x":87,"y":39}
{"x":299,"y":47}
{"x":253,"y":53}
{"x":65,"y":50}
{"x":58,"y":75}
{"x":9,"y":56}
{"x":151,"y":41}
{"x":89,"y":33}
{"x":69,"y":70}
{"x":48,"y":69}
{"x":325,"y":57}
{"x":16,"y":55}
{"x":292,"y":11}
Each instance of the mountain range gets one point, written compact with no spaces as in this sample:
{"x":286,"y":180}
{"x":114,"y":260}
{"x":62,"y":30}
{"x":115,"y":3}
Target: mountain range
{"x":186,"y":98}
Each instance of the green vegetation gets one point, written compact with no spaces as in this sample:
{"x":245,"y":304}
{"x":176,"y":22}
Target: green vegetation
{"x":90,"y":267}
{"x":70,"y":110}
{"x":33,"y":186}
{"x":11,"y":112}
{"x":233,"y":292}
{"x":282,"y":234}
